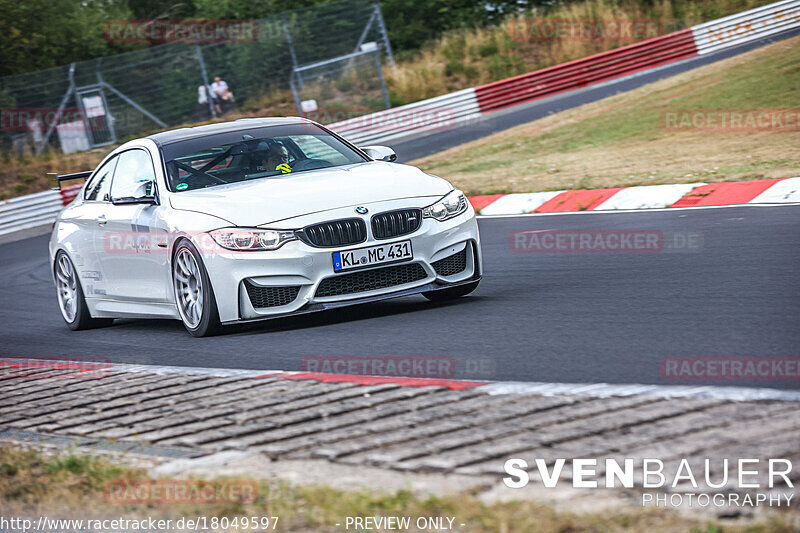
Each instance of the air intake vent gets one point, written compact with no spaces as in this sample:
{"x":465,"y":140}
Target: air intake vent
{"x":262,"y":297}
{"x":452,"y":264}
{"x":371,"y":280}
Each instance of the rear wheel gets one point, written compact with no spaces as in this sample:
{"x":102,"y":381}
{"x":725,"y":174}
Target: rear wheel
{"x":194,"y":296}
{"x":70,"y":296}
{"x":453,"y":292}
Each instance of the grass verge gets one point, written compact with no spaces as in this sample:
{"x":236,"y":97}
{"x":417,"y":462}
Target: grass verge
{"x":620,"y":141}
{"x":34,"y":484}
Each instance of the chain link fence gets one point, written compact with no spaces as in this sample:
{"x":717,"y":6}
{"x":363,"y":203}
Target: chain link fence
{"x":341,"y":88}
{"x":110,"y":99}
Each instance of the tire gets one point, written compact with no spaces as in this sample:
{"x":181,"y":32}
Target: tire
{"x":71,"y":300}
{"x":194,"y":295}
{"x":452,"y":293}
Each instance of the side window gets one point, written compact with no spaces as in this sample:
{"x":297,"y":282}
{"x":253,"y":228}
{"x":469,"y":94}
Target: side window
{"x":315,"y":148}
{"x":100,"y":184}
{"x":134,"y":167}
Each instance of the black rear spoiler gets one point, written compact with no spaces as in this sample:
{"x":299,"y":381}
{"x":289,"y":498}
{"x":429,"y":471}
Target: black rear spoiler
{"x":56,"y":179}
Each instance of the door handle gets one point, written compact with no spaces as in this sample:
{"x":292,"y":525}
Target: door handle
{"x":101,"y":220}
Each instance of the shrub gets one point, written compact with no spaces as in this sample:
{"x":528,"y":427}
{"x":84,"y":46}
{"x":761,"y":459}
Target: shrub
{"x":454,"y":47}
{"x":486,"y":50}
{"x":344,"y":84}
{"x":471,"y":72}
{"x":501,"y":67}
{"x":454,"y":67}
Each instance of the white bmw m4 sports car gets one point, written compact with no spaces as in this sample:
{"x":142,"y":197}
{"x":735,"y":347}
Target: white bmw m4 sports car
{"x":256,"y":219}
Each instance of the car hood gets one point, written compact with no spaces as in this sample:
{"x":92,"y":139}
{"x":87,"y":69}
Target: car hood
{"x":267,"y":200}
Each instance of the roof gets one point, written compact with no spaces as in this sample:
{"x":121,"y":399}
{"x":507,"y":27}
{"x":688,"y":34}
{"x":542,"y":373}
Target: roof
{"x":182,"y":134}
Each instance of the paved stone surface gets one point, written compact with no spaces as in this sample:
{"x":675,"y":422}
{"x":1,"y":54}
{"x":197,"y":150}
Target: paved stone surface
{"x":411,"y":429}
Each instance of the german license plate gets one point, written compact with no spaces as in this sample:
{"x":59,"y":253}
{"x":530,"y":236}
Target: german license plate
{"x":372,"y":255}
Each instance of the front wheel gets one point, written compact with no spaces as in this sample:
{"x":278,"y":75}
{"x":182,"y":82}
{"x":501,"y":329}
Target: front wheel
{"x":194,"y":296}
{"x":70,"y":296}
{"x":442,"y":295}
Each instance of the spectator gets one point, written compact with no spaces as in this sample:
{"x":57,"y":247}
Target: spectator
{"x":223,"y":97}
{"x":202,"y":111}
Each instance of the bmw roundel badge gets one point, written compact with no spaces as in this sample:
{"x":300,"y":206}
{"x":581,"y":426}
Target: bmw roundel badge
{"x":361,"y":210}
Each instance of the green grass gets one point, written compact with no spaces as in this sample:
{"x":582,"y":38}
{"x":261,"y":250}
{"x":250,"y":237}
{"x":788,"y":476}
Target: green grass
{"x":740,"y":89}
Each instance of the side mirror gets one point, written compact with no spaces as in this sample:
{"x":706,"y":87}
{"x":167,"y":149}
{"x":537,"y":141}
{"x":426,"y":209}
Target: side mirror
{"x":380,"y":153}
{"x":144,"y":193}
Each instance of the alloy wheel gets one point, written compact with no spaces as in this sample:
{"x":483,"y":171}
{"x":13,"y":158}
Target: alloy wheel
{"x":67,"y":285}
{"x":188,"y":287}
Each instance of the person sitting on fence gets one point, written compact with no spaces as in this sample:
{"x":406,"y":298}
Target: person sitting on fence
{"x":223,"y":97}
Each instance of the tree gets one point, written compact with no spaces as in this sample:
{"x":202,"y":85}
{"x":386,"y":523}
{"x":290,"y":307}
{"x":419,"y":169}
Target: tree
{"x":38,"y":34}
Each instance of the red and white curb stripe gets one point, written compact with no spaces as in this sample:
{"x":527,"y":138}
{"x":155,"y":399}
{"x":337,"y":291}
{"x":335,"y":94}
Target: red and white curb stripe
{"x":769,"y":191}
{"x":44,"y":206}
{"x":600,"y":390}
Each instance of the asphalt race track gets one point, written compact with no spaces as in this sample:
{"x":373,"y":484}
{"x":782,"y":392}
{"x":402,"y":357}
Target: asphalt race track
{"x":549,"y":317}
{"x":725,"y":284}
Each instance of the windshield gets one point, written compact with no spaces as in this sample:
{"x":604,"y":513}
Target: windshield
{"x":264,"y":153}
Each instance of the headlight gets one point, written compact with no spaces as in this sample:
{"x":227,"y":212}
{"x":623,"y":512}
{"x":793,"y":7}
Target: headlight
{"x":452,"y":204}
{"x":246,"y":239}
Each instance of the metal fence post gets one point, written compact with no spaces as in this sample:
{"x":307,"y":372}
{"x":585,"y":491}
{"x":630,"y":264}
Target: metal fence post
{"x":296,"y":95}
{"x":100,"y":82}
{"x":61,"y":107}
{"x":205,"y":81}
{"x":134,"y":105}
{"x":384,"y":34}
{"x":291,"y":47}
{"x":377,"y":57}
{"x":365,"y":32}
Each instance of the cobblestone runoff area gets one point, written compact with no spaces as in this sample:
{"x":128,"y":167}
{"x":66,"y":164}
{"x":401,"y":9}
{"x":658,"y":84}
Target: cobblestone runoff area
{"x":386,"y":425}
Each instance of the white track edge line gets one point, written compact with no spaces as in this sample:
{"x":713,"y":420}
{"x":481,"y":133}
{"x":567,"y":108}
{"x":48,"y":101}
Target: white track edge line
{"x":655,"y":209}
{"x":600,"y":390}
{"x":603,"y":390}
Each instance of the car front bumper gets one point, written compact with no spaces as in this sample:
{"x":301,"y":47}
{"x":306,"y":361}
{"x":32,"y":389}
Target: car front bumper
{"x":294,"y":272}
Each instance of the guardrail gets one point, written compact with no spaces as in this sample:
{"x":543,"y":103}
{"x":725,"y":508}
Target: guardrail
{"x":746,"y":26}
{"x":31,"y":211}
{"x":450,"y":110}
{"x":586,"y":71}
{"x":69,"y":193}
{"x":425,"y":116}
{"x":34,"y":210}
